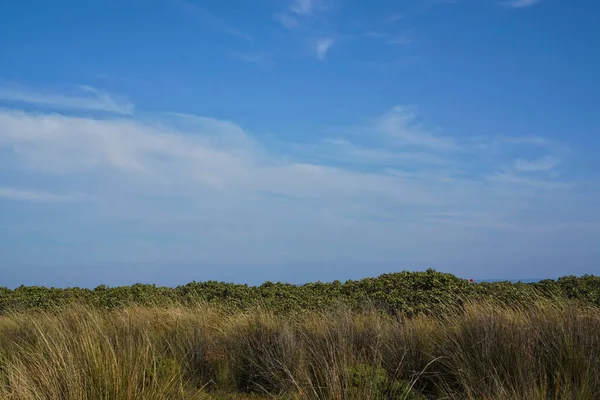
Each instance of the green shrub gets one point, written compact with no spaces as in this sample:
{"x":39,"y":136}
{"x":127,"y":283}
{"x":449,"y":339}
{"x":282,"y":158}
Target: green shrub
{"x":408,"y":293}
{"x":368,"y":381}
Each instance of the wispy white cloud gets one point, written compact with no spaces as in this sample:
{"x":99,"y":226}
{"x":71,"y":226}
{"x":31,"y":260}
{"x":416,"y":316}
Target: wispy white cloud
{"x":315,"y":31}
{"x":391,"y":65}
{"x":302,"y":6}
{"x":343,"y":151}
{"x":546,"y":163}
{"x":393,"y":189}
{"x":401,"y":40}
{"x":253,"y":58}
{"x":396,"y":17}
{"x":21,"y":194}
{"x":250,"y":58}
{"x":534,"y":183}
{"x":299,"y":13}
{"x":305,"y":7}
{"x":521,"y":3}
{"x":357,"y":154}
{"x":387,"y":37}
{"x":374,"y":34}
{"x":82,"y":98}
{"x":534,"y":140}
{"x":68,"y":144}
{"x":401,"y":127}
{"x":390,"y":38}
{"x":287,"y":21}
{"x":199,"y":12}
{"x":219,"y":156}
{"x":322,"y":47}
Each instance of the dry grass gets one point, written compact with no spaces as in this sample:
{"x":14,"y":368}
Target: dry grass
{"x":489,"y":352}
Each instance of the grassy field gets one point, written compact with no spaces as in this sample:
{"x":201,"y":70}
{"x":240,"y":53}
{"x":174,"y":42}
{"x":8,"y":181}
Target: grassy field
{"x":488,"y":341}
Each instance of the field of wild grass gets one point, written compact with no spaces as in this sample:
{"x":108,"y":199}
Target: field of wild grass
{"x":484,"y":350}
{"x":422,"y":335}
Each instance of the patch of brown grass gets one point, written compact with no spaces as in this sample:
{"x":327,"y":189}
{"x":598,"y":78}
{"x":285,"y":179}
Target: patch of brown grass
{"x":549,"y":351}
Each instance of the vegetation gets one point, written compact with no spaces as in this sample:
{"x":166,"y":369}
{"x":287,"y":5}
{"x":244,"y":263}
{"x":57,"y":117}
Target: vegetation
{"x":413,"y":336}
{"x":408,"y":293}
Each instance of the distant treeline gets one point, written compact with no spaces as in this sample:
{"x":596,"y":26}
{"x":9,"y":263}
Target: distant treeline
{"x":404,"y":292}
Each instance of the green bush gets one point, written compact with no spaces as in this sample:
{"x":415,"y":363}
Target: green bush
{"x":368,"y":381}
{"x":407,"y":293}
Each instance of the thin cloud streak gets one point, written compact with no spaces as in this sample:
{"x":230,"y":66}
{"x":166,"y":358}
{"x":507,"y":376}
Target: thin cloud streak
{"x":396,"y":17}
{"x":400,"y":126}
{"x":306,"y":7}
{"x":521,"y":3}
{"x":253,"y":58}
{"x":20,"y":194}
{"x":533,"y":183}
{"x":546,"y":163}
{"x":323,"y":46}
{"x":287,"y":22}
{"x":401,"y":40}
{"x":85,"y":98}
{"x":196,"y":10}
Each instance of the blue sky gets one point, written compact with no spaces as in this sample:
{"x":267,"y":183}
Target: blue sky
{"x":165,"y":141}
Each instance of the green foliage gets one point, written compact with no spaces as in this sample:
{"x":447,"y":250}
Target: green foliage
{"x":162,"y":369}
{"x":408,"y":293}
{"x":368,"y":381}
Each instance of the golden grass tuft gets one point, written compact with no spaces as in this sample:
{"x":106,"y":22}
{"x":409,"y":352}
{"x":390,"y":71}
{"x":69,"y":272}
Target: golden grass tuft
{"x":486,"y":351}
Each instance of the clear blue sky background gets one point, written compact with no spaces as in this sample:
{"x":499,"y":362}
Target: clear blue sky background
{"x":165,"y":141}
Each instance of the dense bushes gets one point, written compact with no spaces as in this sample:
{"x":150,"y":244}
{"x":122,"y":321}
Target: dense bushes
{"x":398,"y":336}
{"x":404,"y":292}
